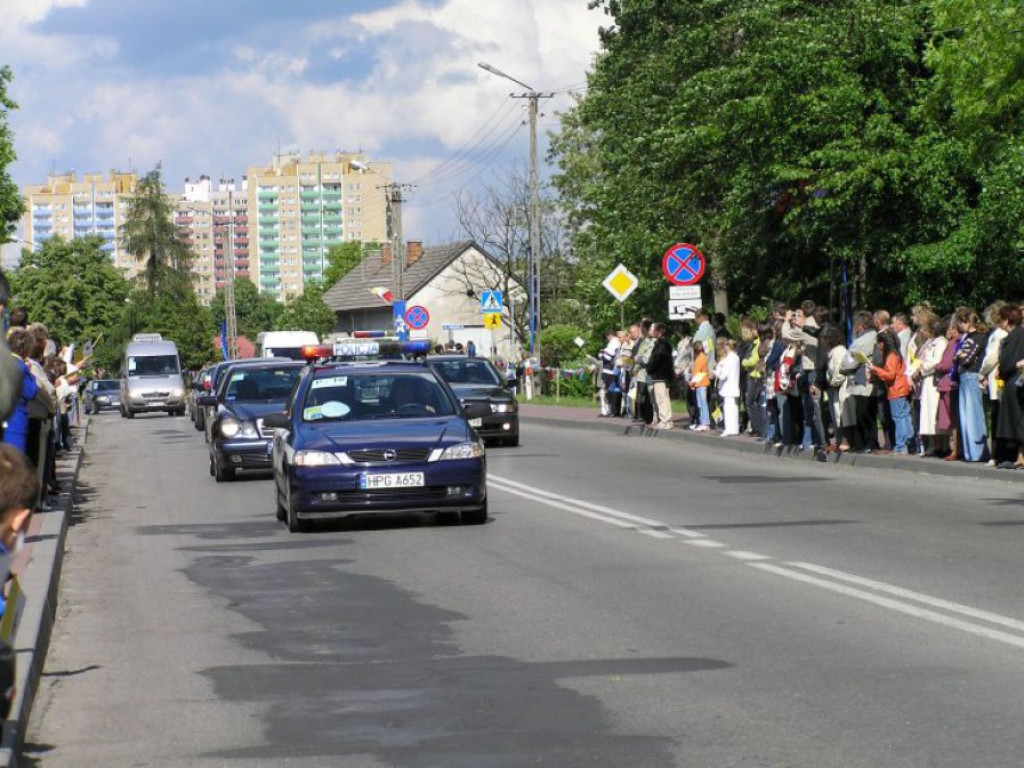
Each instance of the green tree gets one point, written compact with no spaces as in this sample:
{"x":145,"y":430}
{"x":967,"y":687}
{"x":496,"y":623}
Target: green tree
{"x":307,"y":312}
{"x":789,"y":137}
{"x":11,"y":204}
{"x":344,"y":257}
{"x":150,"y":235}
{"x":255,"y":312}
{"x":176,"y":314}
{"x":71,"y":287}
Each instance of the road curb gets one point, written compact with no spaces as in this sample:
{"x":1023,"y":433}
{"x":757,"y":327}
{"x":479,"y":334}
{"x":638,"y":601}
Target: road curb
{"x":883,"y":462}
{"x":41,"y":584}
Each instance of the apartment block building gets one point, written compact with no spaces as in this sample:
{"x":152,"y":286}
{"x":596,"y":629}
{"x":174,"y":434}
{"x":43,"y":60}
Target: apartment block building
{"x":299,"y":208}
{"x":72,"y":207}
{"x":215,"y":222}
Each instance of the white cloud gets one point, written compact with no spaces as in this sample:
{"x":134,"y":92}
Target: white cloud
{"x":422,"y":95}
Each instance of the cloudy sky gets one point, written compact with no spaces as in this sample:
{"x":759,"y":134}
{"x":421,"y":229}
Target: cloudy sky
{"x":212,"y":86}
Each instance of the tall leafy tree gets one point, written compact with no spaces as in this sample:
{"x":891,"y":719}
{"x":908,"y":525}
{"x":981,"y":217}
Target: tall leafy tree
{"x":788,"y":138}
{"x":149,"y":234}
{"x":307,"y":312}
{"x":255,"y":312}
{"x":344,"y":257}
{"x":10,"y":199}
{"x":71,"y":287}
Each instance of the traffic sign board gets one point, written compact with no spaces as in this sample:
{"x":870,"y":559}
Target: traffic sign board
{"x":452,"y":326}
{"x":620,"y":283}
{"x":492,"y":320}
{"x":491,"y":301}
{"x":683,"y":264}
{"x":417,"y":317}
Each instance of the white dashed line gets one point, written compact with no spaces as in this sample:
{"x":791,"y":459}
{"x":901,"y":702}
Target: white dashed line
{"x":739,"y":554}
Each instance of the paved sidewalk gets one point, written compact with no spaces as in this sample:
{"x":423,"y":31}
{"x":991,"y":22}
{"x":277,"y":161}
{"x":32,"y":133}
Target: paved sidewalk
{"x":39,"y":576}
{"x":589,"y":418}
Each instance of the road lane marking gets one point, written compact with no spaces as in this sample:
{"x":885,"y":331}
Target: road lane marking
{"x":906,"y":594}
{"x":506,"y":484}
{"x":824,"y":578}
{"x":895,"y":605}
{"x":740,"y":554}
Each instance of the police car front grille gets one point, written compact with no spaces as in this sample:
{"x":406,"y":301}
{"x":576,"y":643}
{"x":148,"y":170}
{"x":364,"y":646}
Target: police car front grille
{"x":376,"y":456}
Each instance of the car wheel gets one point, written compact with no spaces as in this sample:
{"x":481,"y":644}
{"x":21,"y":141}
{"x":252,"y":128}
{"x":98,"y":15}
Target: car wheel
{"x":475,"y":516}
{"x":213,"y":470}
{"x":295,"y":525}
{"x":129,"y":413}
{"x":281,"y":512}
{"x":180,"y":412}
{"x":197,"y":424}
{"x":223,"y":474}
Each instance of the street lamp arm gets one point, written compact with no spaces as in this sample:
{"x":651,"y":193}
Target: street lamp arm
{"x":495,"y":71}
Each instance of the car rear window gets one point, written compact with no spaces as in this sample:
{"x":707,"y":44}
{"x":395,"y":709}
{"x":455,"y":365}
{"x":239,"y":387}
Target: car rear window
{"x":468,"y":371}
{"x":261,"y":384}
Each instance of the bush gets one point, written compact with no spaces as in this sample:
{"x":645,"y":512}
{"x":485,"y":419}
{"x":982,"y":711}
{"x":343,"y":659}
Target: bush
{"x":558,"y":344}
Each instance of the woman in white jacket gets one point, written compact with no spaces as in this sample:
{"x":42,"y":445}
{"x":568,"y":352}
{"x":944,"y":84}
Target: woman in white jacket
{"x":727,"y":374}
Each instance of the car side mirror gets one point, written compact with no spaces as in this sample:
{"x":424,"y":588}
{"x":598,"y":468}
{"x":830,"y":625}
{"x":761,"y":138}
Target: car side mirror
{"x":476,"y":410}
{"x":277,"y":420}
{"x":207,"y":400}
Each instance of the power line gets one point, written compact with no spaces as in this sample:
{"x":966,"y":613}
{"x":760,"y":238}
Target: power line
{"x":504,"y":109}
{"x":478,"y":156}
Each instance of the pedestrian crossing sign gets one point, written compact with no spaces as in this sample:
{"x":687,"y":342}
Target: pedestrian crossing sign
{"x":491,"y":301}
{"x":492,"y":321}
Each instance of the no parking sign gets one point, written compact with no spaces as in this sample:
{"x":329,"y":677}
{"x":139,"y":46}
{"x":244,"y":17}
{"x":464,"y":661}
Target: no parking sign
{"x":683,"y":264}
{"x":417,"y":317}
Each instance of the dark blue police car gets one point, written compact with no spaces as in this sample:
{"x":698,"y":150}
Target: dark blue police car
{"x":365,"y":437}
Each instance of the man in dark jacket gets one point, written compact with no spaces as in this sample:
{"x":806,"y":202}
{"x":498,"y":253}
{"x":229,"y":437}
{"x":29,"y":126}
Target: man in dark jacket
{"x":660,"y":372}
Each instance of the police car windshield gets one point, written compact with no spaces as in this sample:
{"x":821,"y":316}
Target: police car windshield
{"x":342,"y":396}
{"x":261,"y":384}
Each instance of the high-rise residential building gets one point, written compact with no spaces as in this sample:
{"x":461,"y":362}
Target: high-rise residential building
{"x":71,"y":208}
{"x":214,"y":222}
{"x":299,"y":208}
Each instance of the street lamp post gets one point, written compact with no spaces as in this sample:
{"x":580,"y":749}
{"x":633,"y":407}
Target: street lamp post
{"x":533,"y":260}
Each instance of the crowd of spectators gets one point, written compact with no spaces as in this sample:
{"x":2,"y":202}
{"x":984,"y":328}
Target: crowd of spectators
{"x":39,"y":421}
{"x":921,"y":384}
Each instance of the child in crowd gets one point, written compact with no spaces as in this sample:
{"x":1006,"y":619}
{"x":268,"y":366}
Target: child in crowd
{"x":727,"y":374}
{"x":700,"y":379}
{"x":893,"y":374}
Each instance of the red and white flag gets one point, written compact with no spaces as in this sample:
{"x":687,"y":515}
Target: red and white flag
{"x":384,"y":294}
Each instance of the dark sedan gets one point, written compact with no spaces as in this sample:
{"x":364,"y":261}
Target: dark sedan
{"x":371,"y":438}
{"x":238,"y":437}
{"x":101,"y":394}
{"x":476,"y":380}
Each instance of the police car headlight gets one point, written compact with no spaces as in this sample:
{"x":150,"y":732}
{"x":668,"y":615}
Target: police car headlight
{"x":509,"y":407}
{"x":315,"y":459}
{"x":229,"y":427}
{"x":248,"y":429}
{"x":473,"y":450}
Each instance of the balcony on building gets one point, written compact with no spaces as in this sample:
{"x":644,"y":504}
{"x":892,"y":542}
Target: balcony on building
{"x":42,"y":213}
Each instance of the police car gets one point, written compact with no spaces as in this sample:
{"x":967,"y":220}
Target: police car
{"x":365,"y":434}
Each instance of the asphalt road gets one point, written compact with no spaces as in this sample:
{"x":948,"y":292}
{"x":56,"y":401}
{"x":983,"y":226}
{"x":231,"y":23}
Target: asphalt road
{"x":633,"y":603}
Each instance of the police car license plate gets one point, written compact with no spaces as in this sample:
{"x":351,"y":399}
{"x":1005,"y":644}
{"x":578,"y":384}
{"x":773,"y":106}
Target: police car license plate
{"x":476,"y":422}
{"x":373,"y":482}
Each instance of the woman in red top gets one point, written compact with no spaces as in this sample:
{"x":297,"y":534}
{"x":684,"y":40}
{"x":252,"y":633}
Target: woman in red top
{"x":893,"y":374}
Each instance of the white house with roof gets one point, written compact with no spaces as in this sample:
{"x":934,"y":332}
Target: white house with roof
{"x":448,"y":281}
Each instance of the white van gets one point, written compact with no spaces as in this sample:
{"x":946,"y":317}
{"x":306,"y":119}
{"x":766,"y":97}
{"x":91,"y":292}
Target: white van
{"x":284,"y":343}
{"x":151,"y":377}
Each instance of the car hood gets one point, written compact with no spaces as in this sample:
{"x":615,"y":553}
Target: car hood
{"x":480,"y":392}
{"x":252,"y":411}
{"x":400,"y":433}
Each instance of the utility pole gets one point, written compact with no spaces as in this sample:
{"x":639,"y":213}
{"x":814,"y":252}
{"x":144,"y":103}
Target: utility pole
{"x":534,"y":255}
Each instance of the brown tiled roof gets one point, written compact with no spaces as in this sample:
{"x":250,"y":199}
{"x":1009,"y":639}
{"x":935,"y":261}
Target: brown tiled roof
{"x":352,"y":292}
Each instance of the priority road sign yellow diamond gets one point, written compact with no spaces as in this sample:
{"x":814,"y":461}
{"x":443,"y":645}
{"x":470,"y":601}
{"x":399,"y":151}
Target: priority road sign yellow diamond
{"x":620,"y":283}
